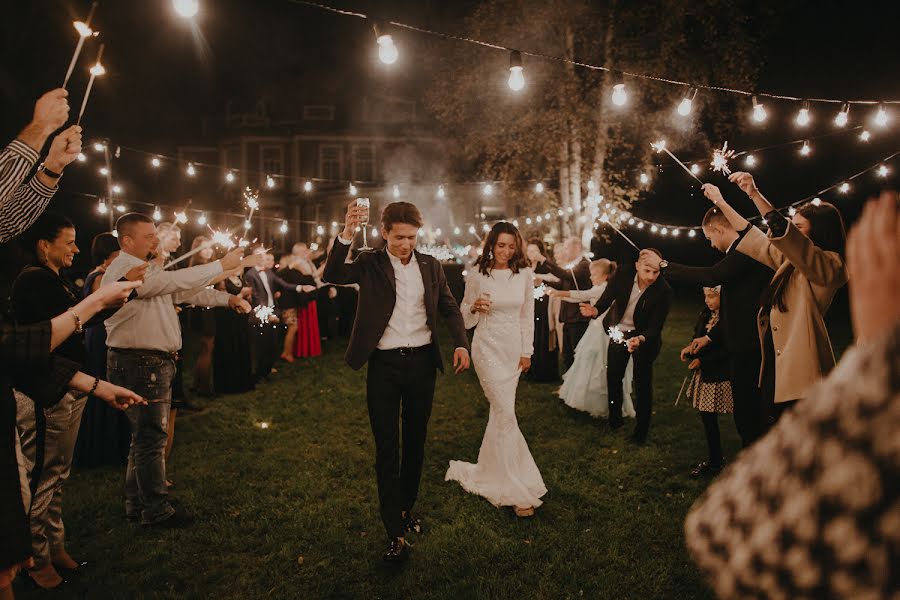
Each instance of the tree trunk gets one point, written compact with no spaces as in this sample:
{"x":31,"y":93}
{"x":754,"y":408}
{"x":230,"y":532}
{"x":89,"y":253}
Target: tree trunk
{"x":564,"y":189}
{"x":574,"y":141}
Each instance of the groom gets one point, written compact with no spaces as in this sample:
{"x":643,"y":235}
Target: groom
{"x":401,"y":293}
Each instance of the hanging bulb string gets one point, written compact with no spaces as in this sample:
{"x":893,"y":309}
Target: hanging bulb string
{"x":593,"y":67}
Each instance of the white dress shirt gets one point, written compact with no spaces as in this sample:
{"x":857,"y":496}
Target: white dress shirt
{"x":149,"y":321}
{"x":627,"y":322}
{"x":265,"y":281}
{"x":408,"y":327}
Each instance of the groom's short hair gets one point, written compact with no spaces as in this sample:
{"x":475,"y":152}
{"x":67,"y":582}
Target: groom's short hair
{"x":400,"y":212}
{"x":714,"y":216}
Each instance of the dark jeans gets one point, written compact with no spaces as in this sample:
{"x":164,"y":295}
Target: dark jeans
{"x":616,"y":363}
{"x":399,"y":389}
{"x":151,"y":376}
{"x":747,"y":398}
{"x":266,"y":349}
{"x":572,"y":334}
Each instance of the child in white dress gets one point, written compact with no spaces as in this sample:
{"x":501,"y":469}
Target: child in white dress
{"x":584,"y":384}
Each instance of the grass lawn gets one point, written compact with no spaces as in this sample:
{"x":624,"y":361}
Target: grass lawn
{"x":291,"y":511}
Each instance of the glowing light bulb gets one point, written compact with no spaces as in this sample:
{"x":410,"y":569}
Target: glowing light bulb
{"x":320,"y":230}
{"x":353,"y":190}
{"x":803,"y":117}
{"x":191,"y":170}
{"x":396,"y":191}
{"x":684,"y":108}
{"x":102,"y":208}
{"x":750,"y":161}
{"x":664,"y":231}
{"x":104,"y":171}
{"x":375,"y":232}
{"x":842,"y":117}
{"x":792,"y":211}
{"x":98,"y":147}
{"x":387,"y":51}
{"x":229,"y":177}
{"x":881,"y":117}
{"x":844,"y":188}
{"x":456,"y":231}
{"x":516,"y":72}
{"x":181,"y":217}
{"x":121,"y":208}
{"x":883,"y":171}
{"x":186,"y":8}
{"x":805,"y":149}
{"x":472,"y":229}
{"x":270,"y":181}
{"x":201,"y":220}
{"x":619,"y":95}
{"x":631,"y":221}
{"x":759,"y":111}
{"x":82,"y":157}
{"x":528,"y":221}
{"x":155,"y":162}
{"x":117,"y":189}
{"x":539,"y":188}
{"x":440,"y":192}
{"x":695,"y":168}
{"x":115,"y":233}
{"x":307,"y":186}
{"x":488,"y":189}
{"x":157,"y":215}
{"x":644,"y":178}
{"x":865,"y":135}
{"x":692,"y":233}
{"x":284,"y":227}
{"x":640,"y":225}
{"x":817,"y":201}
{"x":485,"y":228}
{"x":654,"y":229}
{"x":659,"y":146}
{"x":676,"y":232}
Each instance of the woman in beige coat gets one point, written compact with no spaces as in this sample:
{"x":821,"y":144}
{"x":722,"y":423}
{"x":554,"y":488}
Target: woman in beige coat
{"x":807,"y":256}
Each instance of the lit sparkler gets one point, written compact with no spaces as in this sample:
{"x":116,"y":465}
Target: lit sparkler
{"x":96,"y":71}
{"x":616,"y":335}
{"x":84,"y":31}
{"x":720,"y":159}
{"x":540,"y":291}
{"x":263,"y":313}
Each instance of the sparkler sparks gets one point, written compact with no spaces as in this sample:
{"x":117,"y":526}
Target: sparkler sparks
{"x":616,"y":335}
{"x":720,"y":159}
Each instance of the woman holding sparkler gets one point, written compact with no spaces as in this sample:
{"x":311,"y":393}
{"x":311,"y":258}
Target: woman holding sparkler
{"x":807,"y":254}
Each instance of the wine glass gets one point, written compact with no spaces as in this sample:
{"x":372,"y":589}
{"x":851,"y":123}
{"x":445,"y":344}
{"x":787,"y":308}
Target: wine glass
{"x":486,"y":296}
{"x":364,"y":203}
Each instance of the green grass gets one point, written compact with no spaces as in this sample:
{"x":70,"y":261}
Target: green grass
{"x":290,"y":512}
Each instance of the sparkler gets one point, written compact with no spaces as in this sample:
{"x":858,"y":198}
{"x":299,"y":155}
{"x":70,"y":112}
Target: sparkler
{"x":683,"y":383}
{"x":605,"y":219}
{"x":221,"y":238}
{"x":616,"y":335}
{"x":661,"y":147}
{"x":84,"y":31}
{"x":720,"y":159}
{"x":263,"y":313}
{"x":540,"y":291}
{"x":96,"y":71}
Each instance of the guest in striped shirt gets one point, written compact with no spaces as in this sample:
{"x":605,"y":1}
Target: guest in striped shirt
{"x":21,"y":201}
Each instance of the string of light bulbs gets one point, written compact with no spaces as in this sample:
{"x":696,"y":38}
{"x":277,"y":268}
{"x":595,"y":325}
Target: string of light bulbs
{"x":619,"y":97}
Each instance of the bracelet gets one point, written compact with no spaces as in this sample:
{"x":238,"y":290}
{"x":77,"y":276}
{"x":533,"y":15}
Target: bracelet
{"x":94,"y":387}
{"x":78,"y":327}
{"x":42,"y":168}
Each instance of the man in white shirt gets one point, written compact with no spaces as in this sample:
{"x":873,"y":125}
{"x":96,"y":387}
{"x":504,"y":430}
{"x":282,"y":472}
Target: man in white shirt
{"x":144,"y":338}
{"x":401,"y":294}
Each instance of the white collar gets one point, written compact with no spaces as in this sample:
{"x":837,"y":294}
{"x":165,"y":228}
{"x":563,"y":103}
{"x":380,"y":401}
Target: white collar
{"x":398,"y":262}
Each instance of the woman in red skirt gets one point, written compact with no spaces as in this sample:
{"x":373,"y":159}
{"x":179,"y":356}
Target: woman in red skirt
{"x":308,"y":341}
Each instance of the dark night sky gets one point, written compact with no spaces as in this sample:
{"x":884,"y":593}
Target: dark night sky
{"x":162,"y":81}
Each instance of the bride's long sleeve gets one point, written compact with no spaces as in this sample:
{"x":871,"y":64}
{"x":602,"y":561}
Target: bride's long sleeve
{"x":526,"y":315}
{"x":473,"y":290}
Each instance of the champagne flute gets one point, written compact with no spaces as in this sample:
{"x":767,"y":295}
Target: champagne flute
{"x":364,"y":203}
{"x":487,"y":297}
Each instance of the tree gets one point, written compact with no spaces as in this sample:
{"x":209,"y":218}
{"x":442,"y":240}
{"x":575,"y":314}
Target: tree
{"x":564,"y":122}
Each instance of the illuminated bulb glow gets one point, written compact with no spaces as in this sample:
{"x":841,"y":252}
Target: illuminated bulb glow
{"x":516,"y":79}
{"x":539,"y":188}
{"x":387,"y":51}
{"x":320,"y":230}
{"x":472,"y":229}
{"x":803,"y":116}
{"x":817,"y":201}
{"x":619,"y":95}
{"x":441,"y":193}
{"x":396,"y":191}
{"x":155,"y":162}
{"x":644,"y":178}
{"x":488,"y":189}
{"x":99,"y":147}
{"x":842,"y":117}
{"x":883,"y":171}
{"x":641,"y":225}
{"x":157,"y":215}
{"x":102,"y":208}
{"x":229,"y":177}
{"x":692,"y":233}
{"x":353,"y":190}
{"x":248,"y":224}
{"x":307,"y":186}
{"x":695,"y":168}
{"x":805,"y":149}
{"x":485,"y":228}
{"x":186,"y":8}
{"x":792,"y":211}
{"x":191,"y":170}
{"x":284,"y":227}
{"x":270,"y":182}
{"x":83,"y":29}
{"x":844,"y":188}
{"x":104,"y":171}
{"x":181,"y":217}
{"x":865,"y":135}
{"x":456,"y":231}
{"x":82,"y":157}
{"x":750,"y":160}
{"x":121,"y":208}
{"x":201,"y":220}
{"x":759,"y":111}
{"x":654,"y":229}
{"x":117,"y":189}
{"x":881,"y":117}
{"x":684,"y":108}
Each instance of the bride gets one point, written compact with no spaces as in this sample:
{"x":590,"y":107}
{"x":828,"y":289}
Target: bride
{"x":499,"y":300}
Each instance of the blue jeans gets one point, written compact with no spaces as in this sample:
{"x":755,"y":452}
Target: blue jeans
{"x":150,"y":375}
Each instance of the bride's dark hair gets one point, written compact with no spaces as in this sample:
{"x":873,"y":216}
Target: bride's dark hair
{"x":518,"y":261}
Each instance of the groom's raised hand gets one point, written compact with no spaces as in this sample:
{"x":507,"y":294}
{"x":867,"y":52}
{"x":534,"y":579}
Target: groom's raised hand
{"x":460,"y":360}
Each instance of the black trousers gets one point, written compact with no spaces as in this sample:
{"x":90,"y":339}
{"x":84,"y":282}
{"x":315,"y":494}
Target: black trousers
{"x":713,"y":439}
{"x":572,"y":334}
{"x":616,"y":363}
{"x":265,"y":348}
{"x":399,"y":394}
{"x":748,"y":407}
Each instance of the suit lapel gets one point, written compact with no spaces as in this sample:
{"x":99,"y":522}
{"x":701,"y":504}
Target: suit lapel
{"x":387,"y":269}
{"x":426,"y":282}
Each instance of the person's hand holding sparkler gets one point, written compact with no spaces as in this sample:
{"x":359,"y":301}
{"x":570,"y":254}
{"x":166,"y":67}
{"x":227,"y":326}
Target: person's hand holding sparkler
{"x":745,"y":182}
{"x":712,"y":193}
{"x":232,"y":259}
{"x":239,"y":305}
{"x":616,"y":334}
{"x":634,"y":342}
{"x":588,"y":310}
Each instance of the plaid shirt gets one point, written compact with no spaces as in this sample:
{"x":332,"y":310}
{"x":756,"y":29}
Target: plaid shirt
{"x":20,"y":203}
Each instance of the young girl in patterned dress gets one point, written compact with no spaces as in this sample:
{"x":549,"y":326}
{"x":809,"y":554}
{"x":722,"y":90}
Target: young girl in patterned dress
{"x":709,"y":388}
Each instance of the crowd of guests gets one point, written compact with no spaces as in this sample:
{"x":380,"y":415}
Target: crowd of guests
{"x":808,"y":509}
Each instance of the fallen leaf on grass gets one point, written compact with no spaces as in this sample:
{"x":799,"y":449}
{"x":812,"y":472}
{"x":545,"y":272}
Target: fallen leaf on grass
{"x":527,"y":541}
{"x":300,"y":560}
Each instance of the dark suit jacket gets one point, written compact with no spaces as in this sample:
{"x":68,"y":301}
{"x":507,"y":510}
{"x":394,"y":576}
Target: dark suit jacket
{"x":715,"y":362}
{"x":258,"y":290}
{"x":743,"y":281}
{"x":378,"y":294}
{"x":650,"y":312}
{"x":569,"y":311}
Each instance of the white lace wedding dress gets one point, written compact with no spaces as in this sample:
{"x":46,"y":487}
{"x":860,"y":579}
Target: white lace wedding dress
{"x":505,"y":474}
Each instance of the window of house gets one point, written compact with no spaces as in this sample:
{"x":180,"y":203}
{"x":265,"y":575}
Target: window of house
{"x":330,"y":162}
{"x":271,"y":162}
{"x":363,"y":162}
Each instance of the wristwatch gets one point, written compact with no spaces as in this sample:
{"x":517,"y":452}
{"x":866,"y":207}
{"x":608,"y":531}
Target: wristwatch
{"x":663,"y":264}
{"x":42,"y":168}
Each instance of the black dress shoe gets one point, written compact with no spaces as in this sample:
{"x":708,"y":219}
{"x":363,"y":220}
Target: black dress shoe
{"x":705,"y":469}
{"x":411,"y":524}
{"x":178,"y":520}
{"x":398,"y":551}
